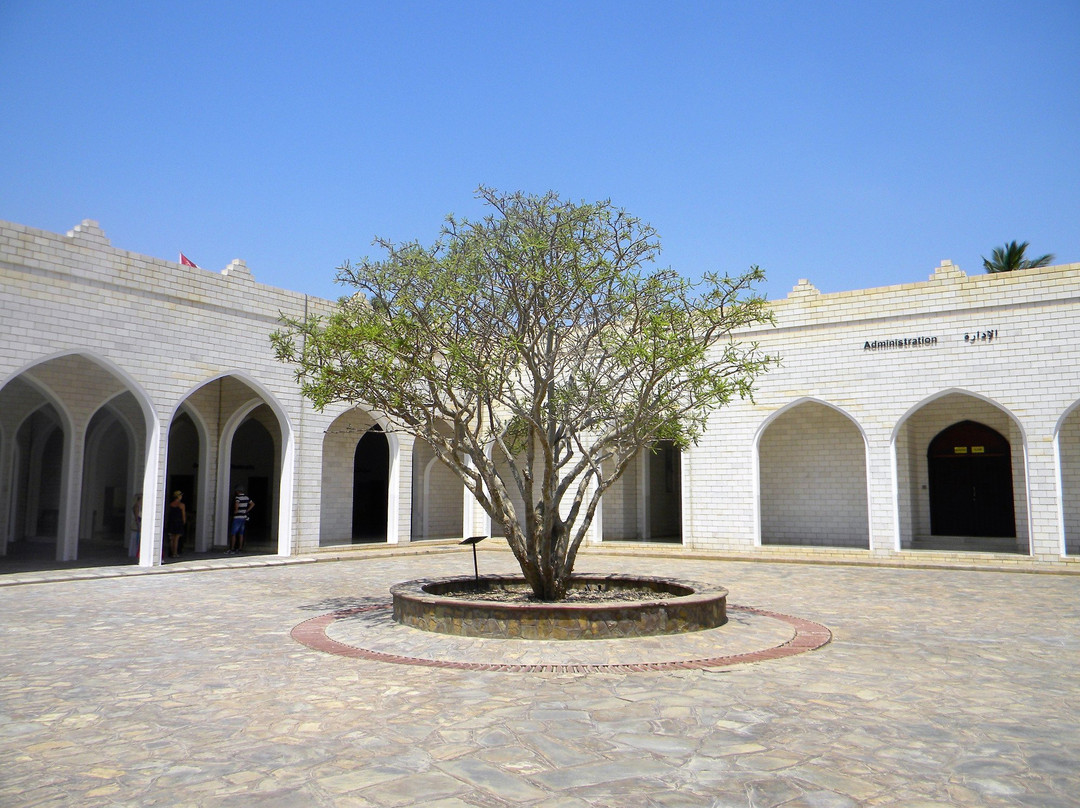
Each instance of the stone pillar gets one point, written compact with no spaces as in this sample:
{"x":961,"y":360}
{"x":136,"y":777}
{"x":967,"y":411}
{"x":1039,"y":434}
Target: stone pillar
{"x":7,"y":477}
{"x":67,"y":535}
{"x":399,"y":489}
{"x":1044,"y":508}
{"x":686,"y":488}
{"x":881,"y":494}
{"x":154,"y":496}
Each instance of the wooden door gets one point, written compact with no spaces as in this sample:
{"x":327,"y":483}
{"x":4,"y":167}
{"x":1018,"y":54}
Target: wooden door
{"x":970,"y":476}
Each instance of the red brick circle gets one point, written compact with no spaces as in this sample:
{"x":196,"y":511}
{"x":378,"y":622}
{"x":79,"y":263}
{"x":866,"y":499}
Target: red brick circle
{"x":809,"y":636}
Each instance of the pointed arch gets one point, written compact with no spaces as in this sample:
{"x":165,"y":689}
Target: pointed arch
{"x":245,"y":396}
{"x":203,"y":494}
{"x":50,"y":397}
{"x":371,"y":487}
{"x":49,"y":376}
{"x":340,"y":442}
{"x":969,"y":468}
{"x":133,"y":385}
{"x":240,"y":419}
{"x":32,"y":485}
{"x":1067,"y":462}
{"x":910,"y":443}
{"x":811,"y":487}
{"x":438,"y":501}
{"x":960,"y":391}
{"x":109,"y":461}
{"x":35,"y":496}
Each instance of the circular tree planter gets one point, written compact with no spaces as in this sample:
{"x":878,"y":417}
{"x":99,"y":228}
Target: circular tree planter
{"x":681,"y":606}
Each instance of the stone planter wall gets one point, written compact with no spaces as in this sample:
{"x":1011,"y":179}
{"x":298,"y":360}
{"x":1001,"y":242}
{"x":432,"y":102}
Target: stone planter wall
{"x":694,"y":607}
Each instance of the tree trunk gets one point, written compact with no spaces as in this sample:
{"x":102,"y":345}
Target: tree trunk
{"x":547,"y":569}
{"x":548,"y":575}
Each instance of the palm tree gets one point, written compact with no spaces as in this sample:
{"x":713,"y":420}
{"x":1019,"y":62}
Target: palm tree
{"x":1011,"y":256}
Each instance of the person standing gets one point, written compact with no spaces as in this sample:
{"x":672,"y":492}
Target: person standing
{"x":136,"y":527}
{"x":242,"y":506}
{"x":175,"y":522}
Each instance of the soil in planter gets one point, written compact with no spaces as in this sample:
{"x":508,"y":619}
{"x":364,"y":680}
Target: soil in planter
{"x":585,"y":594}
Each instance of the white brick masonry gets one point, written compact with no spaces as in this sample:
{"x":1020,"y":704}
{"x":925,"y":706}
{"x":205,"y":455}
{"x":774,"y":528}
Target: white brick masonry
{"x":812,"y":466}
{"x":102,"y":350}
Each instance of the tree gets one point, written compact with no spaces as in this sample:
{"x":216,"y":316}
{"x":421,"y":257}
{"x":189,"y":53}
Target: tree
{"x":1011,"y":257}
{"x":537,"y":337}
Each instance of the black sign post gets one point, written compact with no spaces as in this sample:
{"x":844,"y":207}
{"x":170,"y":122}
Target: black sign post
{"x":474,"y":540}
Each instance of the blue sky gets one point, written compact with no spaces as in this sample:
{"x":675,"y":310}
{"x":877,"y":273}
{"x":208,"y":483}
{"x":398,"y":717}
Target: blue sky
{"x":852,"y":143}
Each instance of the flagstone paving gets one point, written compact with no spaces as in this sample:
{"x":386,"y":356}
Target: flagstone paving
{"x":750,"y":635}
{"x":939,"y":687}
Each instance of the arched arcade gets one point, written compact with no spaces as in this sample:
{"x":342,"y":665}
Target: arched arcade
{"x":75,"y":461}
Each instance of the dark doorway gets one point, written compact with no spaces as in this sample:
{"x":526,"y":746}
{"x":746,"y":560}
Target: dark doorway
{"x":971,"y":491}
{"x":254,"y":465}
{"x":183,"y":460}
{"x":371,"y":484}
{"x":258,"y":526}
{"x":185,"y":483}
{"x":182,"y":466}
{"x":39,"y":469}
{"x":665,"y":493}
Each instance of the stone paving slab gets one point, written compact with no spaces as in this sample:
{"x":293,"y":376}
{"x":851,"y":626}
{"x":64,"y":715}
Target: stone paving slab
{"x":749,"y":636}
{"x":939,"y":687}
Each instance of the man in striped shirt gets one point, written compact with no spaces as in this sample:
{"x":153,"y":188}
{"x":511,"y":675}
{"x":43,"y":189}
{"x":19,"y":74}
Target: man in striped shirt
{"x":242,"y":506}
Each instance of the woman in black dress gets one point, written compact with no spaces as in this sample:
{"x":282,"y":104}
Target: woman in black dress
{"x":175,"y":521}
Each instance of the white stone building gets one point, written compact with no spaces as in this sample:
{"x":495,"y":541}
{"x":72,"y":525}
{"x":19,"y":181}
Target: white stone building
{"x":935,"y":415}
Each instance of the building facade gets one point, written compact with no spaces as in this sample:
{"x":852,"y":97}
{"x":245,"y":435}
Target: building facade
{"x":940,"y":415}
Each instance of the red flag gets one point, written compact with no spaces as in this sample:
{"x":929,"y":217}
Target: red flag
{"x":187,"y":262}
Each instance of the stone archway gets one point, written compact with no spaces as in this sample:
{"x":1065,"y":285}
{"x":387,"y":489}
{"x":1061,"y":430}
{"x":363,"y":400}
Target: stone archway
{"x":228,"y":433}
{"x":104,"y":420}
{"x":182,"y":474}
{"x":912,"y":441}
{"x":438,"y":497}
{"x":36,"y":486}
{"x":254,"y":465}
{"x":371,"y":485}
{"x":108,"y":461}
{"x":812,"y":478}
{"x":352,"y":475}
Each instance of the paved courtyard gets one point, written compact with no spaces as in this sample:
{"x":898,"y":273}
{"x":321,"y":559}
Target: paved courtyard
{"x":939,"y":687}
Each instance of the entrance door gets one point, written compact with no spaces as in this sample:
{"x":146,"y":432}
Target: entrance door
{"x":371,"y":485}
{"x":971,"y":493}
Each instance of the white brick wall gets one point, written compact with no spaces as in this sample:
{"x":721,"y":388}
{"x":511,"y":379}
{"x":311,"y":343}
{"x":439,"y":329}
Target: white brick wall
{"x":812,"y":462}
{"x":84,"y":323}
{"x":620,"y":507}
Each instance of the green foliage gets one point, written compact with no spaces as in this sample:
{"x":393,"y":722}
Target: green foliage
{"x":1012,"y":257}
{"x":536,"y":350}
